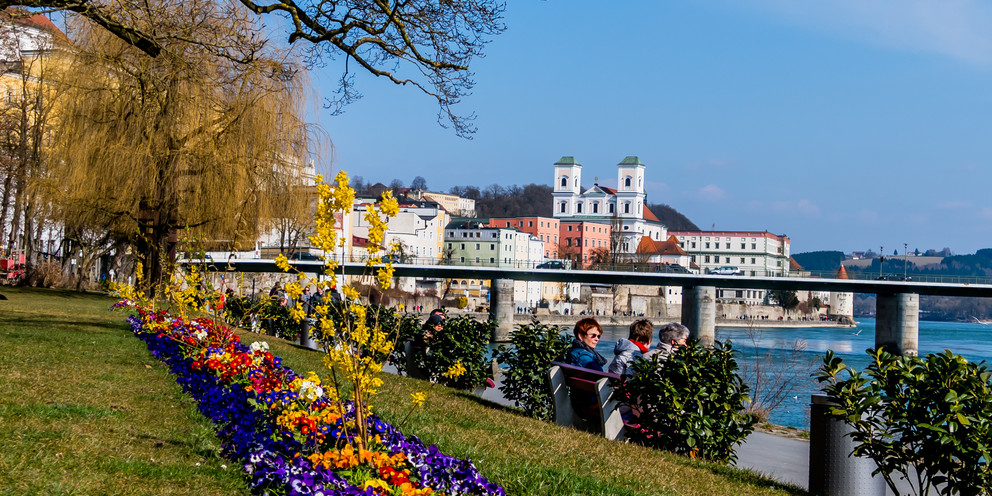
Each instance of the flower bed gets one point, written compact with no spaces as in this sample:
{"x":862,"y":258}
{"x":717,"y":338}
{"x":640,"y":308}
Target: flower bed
{"x":291,"y":435}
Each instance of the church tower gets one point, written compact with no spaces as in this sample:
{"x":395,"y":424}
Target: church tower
{"x":568,"y":181}
{"x":630,"y":188}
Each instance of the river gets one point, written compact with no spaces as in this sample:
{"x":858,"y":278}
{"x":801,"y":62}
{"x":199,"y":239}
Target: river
{"x":971,"y":340}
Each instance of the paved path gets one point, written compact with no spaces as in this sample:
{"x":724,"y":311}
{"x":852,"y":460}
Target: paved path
{"x":780,"y":458}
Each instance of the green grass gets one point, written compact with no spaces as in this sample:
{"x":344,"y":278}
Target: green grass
{"x":84,"y":409}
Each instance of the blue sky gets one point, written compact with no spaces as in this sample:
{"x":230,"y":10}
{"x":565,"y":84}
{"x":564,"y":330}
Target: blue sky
{"x":846,"y":125}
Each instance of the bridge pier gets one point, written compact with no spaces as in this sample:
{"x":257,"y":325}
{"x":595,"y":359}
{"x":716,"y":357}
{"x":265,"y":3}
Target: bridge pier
{"x":501,"y":308}
{"x":699,"y":313}
{"x":897,"y":323}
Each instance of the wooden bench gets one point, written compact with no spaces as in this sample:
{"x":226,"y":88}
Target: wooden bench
{"x":564,"y":378}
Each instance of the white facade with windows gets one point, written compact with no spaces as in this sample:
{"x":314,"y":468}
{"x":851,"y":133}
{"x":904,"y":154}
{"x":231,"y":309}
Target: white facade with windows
{"x":624,"y":207}
{"x":756,"y":254}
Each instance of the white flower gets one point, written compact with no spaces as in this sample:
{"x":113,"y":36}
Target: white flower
{"x":200,"y":334}
{"x":259,"y":346}
{"x":310,"y":391}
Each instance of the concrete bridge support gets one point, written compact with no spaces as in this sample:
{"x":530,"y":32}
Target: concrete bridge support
{"x":699,"y":312}
{"x":897,"y":323}
{"x":501,"y":308}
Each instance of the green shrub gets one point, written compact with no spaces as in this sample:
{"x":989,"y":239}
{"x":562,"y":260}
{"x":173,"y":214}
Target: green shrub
{"x":930,"y":416}
{"x":286,"y":327}
{"x":408,"y":327}
{"x":535,"y":346}
{"x":691,"y":404}
{"x":461,"y":302}
{"x":464,"y":340}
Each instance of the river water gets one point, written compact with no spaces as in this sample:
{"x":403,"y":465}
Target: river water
{"x":973,"y":341}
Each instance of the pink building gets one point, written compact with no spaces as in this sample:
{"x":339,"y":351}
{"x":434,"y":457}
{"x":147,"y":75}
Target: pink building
{"x":581,"y":240}
{"x":545,"y":228}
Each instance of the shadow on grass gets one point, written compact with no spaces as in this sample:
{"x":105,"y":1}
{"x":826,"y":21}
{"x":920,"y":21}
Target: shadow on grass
{"x":84,"y":326}
{"x":59,"y":293}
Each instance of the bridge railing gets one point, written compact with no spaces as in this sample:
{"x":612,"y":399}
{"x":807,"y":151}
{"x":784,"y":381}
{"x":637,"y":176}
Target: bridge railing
{"x":644,"y":267}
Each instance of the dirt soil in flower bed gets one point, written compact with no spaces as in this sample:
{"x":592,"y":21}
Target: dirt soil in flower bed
{"x":86,"y":410}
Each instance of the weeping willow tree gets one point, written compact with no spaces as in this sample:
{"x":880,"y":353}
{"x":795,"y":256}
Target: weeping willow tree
{"x":206,"y":136}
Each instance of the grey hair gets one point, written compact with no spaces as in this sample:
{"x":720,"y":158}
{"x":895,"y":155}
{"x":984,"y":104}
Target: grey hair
{"x":673,"y":331}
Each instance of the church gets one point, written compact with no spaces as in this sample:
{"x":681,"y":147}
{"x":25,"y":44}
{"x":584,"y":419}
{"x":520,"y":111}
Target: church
{"x":623,"y":208}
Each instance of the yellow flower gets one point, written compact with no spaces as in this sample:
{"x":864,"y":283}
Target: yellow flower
{"x":418,"y":399}
{"x":350,"y":293}
{"x":455,"y":371}
{"x":282,"y":262}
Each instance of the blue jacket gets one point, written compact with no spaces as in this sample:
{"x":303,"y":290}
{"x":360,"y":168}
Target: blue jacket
{"x":580,"y":356}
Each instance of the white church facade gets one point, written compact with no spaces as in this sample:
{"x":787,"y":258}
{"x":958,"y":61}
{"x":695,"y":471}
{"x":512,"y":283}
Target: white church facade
{"x":623,"y":208}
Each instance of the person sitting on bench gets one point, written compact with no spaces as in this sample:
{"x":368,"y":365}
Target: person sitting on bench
{"x":583,"y":354}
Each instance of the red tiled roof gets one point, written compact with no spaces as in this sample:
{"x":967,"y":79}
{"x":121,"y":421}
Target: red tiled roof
{"x":842,"y":273}
{"x":667,"y":247}
{"x":650,"y":216}
{"x":794,"y":265}
{"x":37,"y":21}
{"x":608,"y":190}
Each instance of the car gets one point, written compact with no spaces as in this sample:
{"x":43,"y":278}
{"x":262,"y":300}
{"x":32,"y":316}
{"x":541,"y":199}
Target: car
{"x":726,"y":270}
{"x":304,"y":256}
{"x":673,"y":269}
{"x":551,"y":264}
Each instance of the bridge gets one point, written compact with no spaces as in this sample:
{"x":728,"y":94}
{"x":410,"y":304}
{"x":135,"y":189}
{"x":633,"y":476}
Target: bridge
{"x":896,"y":315}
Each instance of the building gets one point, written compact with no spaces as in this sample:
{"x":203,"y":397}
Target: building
{"x":754,"y":253}
{"x":546,"y":229}
{"x":455,"y":205}
{"x":585,"y":242}
{"x":624,"y":208}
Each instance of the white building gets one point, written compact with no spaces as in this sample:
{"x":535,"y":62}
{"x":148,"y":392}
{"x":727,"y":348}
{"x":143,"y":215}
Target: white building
{"x":754,"y":253}
{"x":623,"y":208}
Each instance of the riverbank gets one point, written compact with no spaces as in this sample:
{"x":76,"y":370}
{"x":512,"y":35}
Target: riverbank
{"x":623,"y":320}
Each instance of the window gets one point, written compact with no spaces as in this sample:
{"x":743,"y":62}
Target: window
{"x":693,"y":244}
{"x":578,"y":208}
{"x":477,"y":260}
{"x":728,"y":246}
{"x":568,"y":241}
{"x":564,"y":182}
{"x":462,"y":260}
{"x":626,"y":181}
{"x":569,"y":228}
{"x":449,"y":246}
{"x":542,"y":223}
{"x":595,"y":207}
{"x":492,"y":260}
{"x":564,"y":206}
{"x":530,"y":223}
{"x":727,"y":259}
{"x":463,"y":246}
{"x":752,"y":260}
{"x":612,"y":208}
{"x":626,"y":207}
{"x":707,"y":259}
{"x":707,"y":246}
{"x":754,"y":246}
{"x":477,"y":246}
{"x":492,"y":246}
{"x":507,"y":223}
{"x":587,"y":242}
{"x":742,"y":259}
{"x":778,"y":263}
{"x":626,"y":228}
{"x":742,"y":246}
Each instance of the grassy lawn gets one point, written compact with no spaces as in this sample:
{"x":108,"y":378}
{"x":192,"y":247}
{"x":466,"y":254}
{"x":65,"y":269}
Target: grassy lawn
{"x":85,"y":409}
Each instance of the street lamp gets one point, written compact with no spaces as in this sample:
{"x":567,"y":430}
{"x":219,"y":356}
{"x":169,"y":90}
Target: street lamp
{"x":881,"y":260}
{"x":905,"y":260}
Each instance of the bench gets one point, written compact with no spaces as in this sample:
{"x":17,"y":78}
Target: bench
{"x":564,"y":378}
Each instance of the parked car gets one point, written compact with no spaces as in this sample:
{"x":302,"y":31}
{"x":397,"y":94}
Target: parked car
{"x":673,"y":269}
{"x":551,"y":264}
{"x":726,"y":270}
{"x":304,"y":256}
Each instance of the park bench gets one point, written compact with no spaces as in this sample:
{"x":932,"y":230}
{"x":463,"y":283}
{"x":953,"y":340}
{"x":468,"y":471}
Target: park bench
{"x":564,"y":379}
